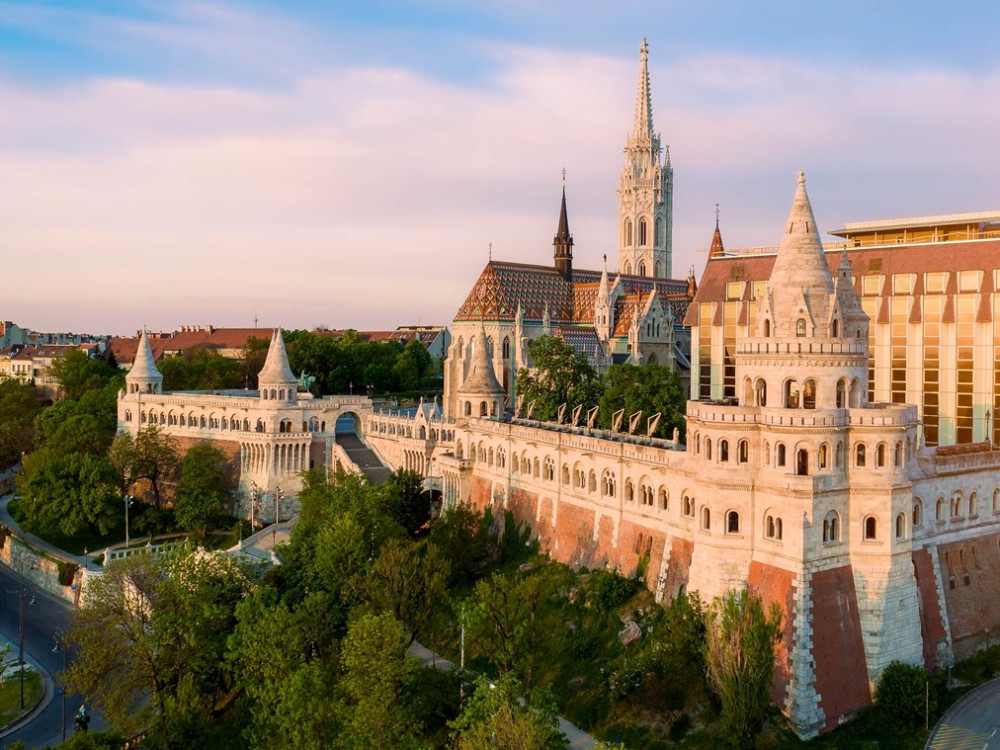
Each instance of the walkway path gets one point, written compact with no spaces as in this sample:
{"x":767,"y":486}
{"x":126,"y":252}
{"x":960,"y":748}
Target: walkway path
{"x":83,"y":561}
{"x":363,"y":457}
{"x":578,"y":739}
{"x":972,"y":723}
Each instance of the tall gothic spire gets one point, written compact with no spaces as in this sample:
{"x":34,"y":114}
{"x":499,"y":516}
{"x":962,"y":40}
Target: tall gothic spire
{"x":716,"y":250}
{"x":562,"y":243}
{"x":642,"y":128}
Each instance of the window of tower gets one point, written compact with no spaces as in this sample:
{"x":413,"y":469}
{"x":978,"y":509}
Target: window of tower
{"x":761,"y":388}
{"x":836,"y":328}
{"x":791,"y":394}
{"x":743,"y":451}
{"x":780,"y":454}
{"x":642,"y":268}
{"x":831,"y":527}
{"x":871,"y":529}
{"x":824,"y":456}
{"x":880,"y":455}
{"x":506,"y":348}
{"x":918,"y":512}
{"x":802,"y":462}
{"x":628,"y":232}
{"x":723,"y":450}
{"x":859,"y":455}
{"x":642,"y":232}
{"x":658,"y":272}
{"x":732,"y":522}
{"x":628,"y":268}
{"x":809,"y":394}
{"x":800,"y":327}
{"x":659,"y":232}
{"x":767,"y":328}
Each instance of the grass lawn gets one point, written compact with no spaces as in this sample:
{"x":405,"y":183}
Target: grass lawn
{"x":10,"y":695}
{"x":76,"y":543}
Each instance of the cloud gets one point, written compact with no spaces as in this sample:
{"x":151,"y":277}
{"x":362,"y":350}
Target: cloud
{"x":368,"y":196}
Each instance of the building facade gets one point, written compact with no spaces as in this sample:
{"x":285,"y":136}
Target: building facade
{"x":799,"y":487}
{"x":272,"y":435}
{"x":931,"y":289}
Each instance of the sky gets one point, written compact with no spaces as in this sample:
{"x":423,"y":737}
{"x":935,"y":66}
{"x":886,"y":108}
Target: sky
{"x":350,"y":164}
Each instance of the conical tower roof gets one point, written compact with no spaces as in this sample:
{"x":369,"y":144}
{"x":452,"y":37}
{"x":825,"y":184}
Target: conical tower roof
{"x":801,"y":285}
{"x":481,"y":379}
{"x":276,"y":368}
{"x":144,"y":365}
{"x":716,"y":250}
{"x":801,"y":263}
{"x":643,"y":124}
{"x":562,"y":233}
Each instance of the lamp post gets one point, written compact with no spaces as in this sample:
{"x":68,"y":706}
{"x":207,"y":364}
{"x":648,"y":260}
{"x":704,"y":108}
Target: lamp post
{"x":128,"y":502}
{"x":60,"y":645}
{"x":253,"y":505}
{"x":278,"y":497}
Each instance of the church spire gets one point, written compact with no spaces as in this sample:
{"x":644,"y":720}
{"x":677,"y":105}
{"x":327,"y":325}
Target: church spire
{"x":562,"y":244}
{"x":716,"y":250}
{"x":642,"y":127}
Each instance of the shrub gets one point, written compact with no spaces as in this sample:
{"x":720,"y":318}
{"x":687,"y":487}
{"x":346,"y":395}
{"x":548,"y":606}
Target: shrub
{"x":611,"y":589}
{"x":67,"y":572}
{"x":625,"y":679}
{"x":901,"y":692}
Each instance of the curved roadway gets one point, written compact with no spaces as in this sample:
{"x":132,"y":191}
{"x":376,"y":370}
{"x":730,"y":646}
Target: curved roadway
{"x":972,"y":723}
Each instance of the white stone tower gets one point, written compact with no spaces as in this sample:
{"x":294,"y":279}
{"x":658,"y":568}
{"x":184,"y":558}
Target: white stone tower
{"x":144,"y":377}
{"x":276,"y":382}
{"x":645,"y":193}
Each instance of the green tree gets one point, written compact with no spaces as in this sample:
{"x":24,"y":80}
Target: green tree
{"x":410,"y":580}
{"x":508,"y":623}
{"x":18,"y":407}
{"x":154,"y":459}
{"x":650,"y":389}
{"x":901,"y":692}
{"x":252,"y":360}
{"x":375,"y":670}
{"x":739,"y":653}
{"x":407,"y":501}
{"x":68,"y":493}
{"x":201,"y":370}
{"x":462,"y":533}
{"x":204,"y":487}
{"x":78,"y":373}
{"x":494,"y":719}
{"x":561,"y":375}
{"x":87,"y":424}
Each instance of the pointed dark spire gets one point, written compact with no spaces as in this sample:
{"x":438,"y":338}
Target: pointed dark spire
{"x":716,"y":250}
{"x":562,"y":244}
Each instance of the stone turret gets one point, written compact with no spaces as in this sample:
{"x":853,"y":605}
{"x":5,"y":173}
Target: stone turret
{"x":481,"y":394}
{"x":276,"y":381}
{"x":144,"y":377}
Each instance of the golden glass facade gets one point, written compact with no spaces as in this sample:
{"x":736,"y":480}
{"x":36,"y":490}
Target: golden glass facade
{"x":932,"y":367}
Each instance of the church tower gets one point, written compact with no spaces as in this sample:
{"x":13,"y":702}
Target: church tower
{"x":562,"y":243}
{"x":645,"y":193}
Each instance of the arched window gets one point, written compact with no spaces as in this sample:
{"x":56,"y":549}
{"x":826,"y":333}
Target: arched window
{"x":592,"y":482}
{"x":880,"y":455}
{"x":688,"y":503}
{"x":609,"y":484}
{"x":939,"y":510}
{"x":565,"y":474}
{"x":642,"y":232}
{"x":780,"y":459}
{"x":743,"y":451}
{"x":973,"y":505}
{"x":839,"y":455}
{"x":802,"y":462}
{"x":767,"y":454}
{"x":732,"y":522}
{"x":647,"y":495}
{"x":772,"y":527}
{"x":708,"y":449}
{"x":871,"y":529}
{"x":724,"y":450}
{"x":800,"y":327}
{"x":706,"y":519}
{"x":761,"y":392}
{"x":641,"y":268}
{"x":901,"y":526}
{"x":841,"y":394}
{"x":918,"y":513}
{"x":859,"y":455}
{"x":658,"y":234}
{"x":824,"y":456}
{"x":628,"y":232}
{"x":831,"y":527}
{"x":128,"y":415}
{"x":897,"y":455}
{"x":809,"y":394}
{"x":767,"y":328}
{"x":836,"y":328}
{"x":629,"y":491}
{"x":791,"y":394}
{"x":506,"y":348}
{"x":664,"y":498}
{"x":550,"y":469}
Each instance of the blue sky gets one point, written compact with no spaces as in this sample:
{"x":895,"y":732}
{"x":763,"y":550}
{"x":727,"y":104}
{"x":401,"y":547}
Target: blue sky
{"x":348,"y":164}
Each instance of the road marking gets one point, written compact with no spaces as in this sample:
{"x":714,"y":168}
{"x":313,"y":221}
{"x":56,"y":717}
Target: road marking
{"x":956,"y":738}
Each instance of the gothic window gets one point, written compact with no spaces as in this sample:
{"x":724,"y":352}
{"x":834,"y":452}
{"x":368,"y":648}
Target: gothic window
{"x":880,"y":455}
{"x":489,"y":457}
{"x":501,"y":458}
{"x":723,"y":450}
{"x":839,"y":460}
{"x":901,"y":526}
{"x":609,"y":484}
{"x":706,"y":519}
{"x":468,"y":408}
{"x":780,"y":458}
{"x":939,"y":509}
{"x":836,"y":328}
{"x":859,"y":455}
{"x":831,"y":527}
{"x":824,"y":455}
{"x":802,"y":462}
{"x":761,"y":390}
{"x":483,"y":409}
{"x":871,"y":529}
{"x":647,"y":495}
{"x":743,"y":451}
{"x":767,"y":328}
{"x":628,"y":269}
{"x":841,"y":394}
{"x":732,"y":522}
{"x":128,"y":415}
{"x":641,"y":270}
{"x":550,"y":469}
{"x":628,"y":233}
{"x":629,"y":490}
{"x":897,"y":455}
{"x":658,"y":271}
{"x":800,"y":327}
{"x":565,"y":474}
{"x":506,"y":348}
{"x":973,"y":505}
{"x":658,"y":238}
{"x":791,"y":394}
{"x":642,"y":232}
{"x":664,"y":498}
{"x":592,"y":482}
{"x":688,"y":506}
{"x":918,"y":513}
{"x":708,"y":449}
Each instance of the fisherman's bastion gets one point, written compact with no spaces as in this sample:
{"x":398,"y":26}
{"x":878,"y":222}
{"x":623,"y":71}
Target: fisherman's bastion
{"x":877,"y":544}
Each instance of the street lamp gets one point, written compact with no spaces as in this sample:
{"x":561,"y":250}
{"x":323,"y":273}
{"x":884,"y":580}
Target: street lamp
{"x":279,"y":495}
{"x":128,"y":502}
{"x":60,"y":645}
{"x":253,"y":504}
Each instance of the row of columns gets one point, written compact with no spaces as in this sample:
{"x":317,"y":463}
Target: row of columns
{"x":275,"y":459}
{"x":415,"y":461}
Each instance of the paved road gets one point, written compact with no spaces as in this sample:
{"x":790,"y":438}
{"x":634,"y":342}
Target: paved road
{"x":972,"y":723}
{"x":41,"y":620}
